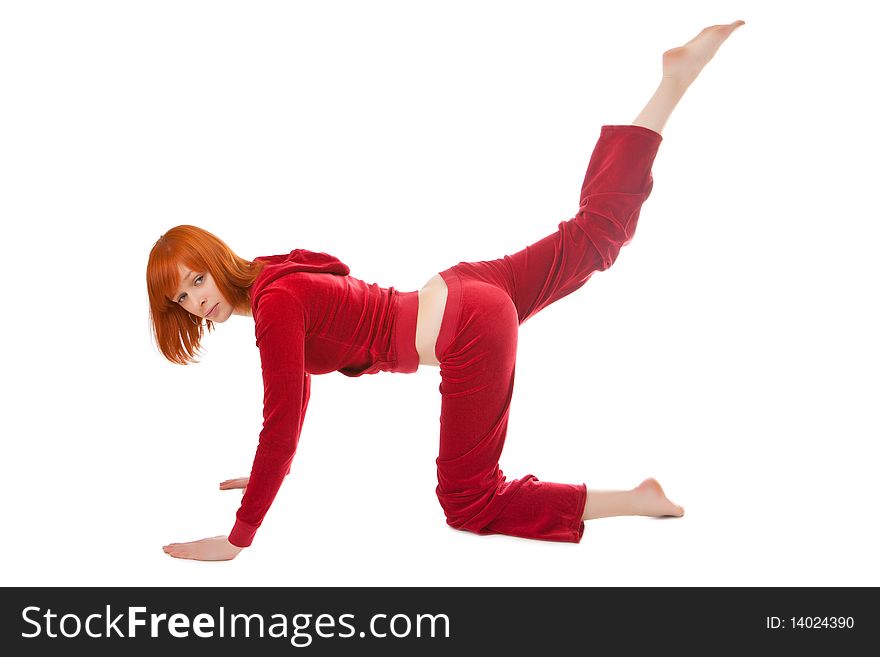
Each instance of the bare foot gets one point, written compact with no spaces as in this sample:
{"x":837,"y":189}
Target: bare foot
{"x":684,"y":64}
{"x":652,"y":501}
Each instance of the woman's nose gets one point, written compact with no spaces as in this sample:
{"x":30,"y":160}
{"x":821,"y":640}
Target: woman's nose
{"x":195,"y":305}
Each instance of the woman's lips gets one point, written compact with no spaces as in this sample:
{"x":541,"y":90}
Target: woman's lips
{"x":211,"y":312}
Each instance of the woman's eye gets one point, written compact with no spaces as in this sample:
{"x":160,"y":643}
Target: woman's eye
{"x":198,"y":278}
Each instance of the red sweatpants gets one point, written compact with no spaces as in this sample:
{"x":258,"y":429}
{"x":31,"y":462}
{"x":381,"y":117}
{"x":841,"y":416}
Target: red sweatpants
{"x":476,"y":347}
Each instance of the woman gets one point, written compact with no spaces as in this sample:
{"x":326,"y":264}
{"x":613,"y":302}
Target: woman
{"x":312,"y":317}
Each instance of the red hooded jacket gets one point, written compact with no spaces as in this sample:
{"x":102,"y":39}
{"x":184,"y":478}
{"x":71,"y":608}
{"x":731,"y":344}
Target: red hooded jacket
{"x":312,"y":317}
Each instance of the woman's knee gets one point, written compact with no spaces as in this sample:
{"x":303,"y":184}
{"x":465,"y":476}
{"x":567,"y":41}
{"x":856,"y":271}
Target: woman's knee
{"x":462,"y":507}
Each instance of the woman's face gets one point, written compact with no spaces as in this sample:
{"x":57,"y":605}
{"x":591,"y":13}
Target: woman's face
{"x":197,"y":294}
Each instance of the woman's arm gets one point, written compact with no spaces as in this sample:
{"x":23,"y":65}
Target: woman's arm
{"x":242,"y":482}
{"x":280,"y":330}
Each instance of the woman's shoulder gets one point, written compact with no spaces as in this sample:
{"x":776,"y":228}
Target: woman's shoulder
{"x":301,"y":289}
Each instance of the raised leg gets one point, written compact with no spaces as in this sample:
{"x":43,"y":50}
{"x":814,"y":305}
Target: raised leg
{"x":617,"y":182}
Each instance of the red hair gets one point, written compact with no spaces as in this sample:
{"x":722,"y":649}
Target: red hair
{"x":179,"y":333}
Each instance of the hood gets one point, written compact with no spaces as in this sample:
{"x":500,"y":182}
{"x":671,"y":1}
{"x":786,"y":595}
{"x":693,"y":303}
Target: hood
{"x":296,"y":260}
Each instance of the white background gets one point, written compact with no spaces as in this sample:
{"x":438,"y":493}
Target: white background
{"x":731,"y":351}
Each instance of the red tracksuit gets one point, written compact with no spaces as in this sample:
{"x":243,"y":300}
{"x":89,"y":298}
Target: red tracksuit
{"x":309,"y":322}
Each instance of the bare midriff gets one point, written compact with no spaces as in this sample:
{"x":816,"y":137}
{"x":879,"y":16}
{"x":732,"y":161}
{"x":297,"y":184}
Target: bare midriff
{"x":432,"y":303}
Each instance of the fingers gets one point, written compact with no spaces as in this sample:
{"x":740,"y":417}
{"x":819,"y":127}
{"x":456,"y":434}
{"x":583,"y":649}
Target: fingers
{"x":233,"y":483}
{"x":179,"y":554}
{"x":215,"y":548}
{"x":177,"y":550}
{"x":198,"y":550}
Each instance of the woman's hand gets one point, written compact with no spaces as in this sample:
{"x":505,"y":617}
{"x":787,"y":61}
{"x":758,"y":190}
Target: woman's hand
{"x":229,"y":484}
{"x":216,"y":548}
